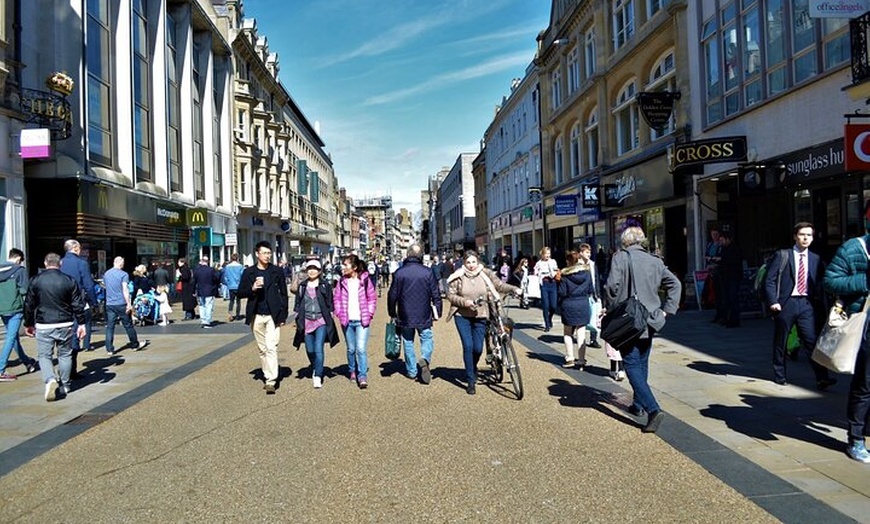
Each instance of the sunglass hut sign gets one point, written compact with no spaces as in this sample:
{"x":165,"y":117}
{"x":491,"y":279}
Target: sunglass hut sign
{"x":817,"y":162}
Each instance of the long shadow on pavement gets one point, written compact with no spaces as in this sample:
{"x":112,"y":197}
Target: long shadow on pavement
{"x":574,"y":395}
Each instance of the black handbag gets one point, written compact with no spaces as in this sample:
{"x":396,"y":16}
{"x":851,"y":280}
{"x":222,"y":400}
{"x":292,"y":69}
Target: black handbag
{"x":626,"y":321}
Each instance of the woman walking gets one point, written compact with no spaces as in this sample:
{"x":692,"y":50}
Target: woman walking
{"x":575,"y":290}
{"x":356,"y":299}
{"x":314,"y":324}
{"x":521,"y":279}
{"x":547,"y":271}
{"x":469,"y":290}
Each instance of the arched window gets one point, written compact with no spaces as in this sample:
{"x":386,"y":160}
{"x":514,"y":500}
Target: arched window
{"x":592,"y":138}
{"x":575,"y":151}
{"x":625,"y":115}
{"x":663,"y":78}
{"x":558,"y":172}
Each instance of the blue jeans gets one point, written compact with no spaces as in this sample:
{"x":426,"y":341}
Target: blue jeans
{"x":471,"y":332}
{"x":636,"y":364}
{"x":427,"y":345}
{"x":357,"y":338}
{"x":13,"y":340}
{"x":113,"y":314}
{"x":314,"y":349}
{"x":206,"y":309}
{"x":46,"y":340}
{"x":86,"y":342}
{"x":548,"y":302}
{"x":858,"y":403}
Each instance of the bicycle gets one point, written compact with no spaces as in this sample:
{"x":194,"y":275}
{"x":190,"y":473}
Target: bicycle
{"x":500,"y":353}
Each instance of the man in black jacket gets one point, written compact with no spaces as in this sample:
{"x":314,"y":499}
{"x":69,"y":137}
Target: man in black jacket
{"x":53,"y":303}
{"x":265,"y":288}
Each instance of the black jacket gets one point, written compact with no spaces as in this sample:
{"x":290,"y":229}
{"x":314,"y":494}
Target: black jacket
{"x":325,"y":300}
{"x":53,"y":298}
{"x":275,"y":287}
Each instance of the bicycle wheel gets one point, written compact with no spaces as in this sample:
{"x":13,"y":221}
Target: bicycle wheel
{"x":495,"y":363}
{"x":513,"y":366}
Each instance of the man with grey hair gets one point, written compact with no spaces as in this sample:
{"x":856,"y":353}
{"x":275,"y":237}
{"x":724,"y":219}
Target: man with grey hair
{"x":634,"y":270}
{"x":78,"y":269}
{"x":412,"y":299}
{"x":53,"y":303}
{"x":119,"y":306}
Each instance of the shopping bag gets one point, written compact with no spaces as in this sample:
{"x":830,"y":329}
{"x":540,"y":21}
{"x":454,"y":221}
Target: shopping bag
{"x":840,"y":340}
{"x":533,"y":289}
{"x":793,"y":343}
{"x":392,"y":342}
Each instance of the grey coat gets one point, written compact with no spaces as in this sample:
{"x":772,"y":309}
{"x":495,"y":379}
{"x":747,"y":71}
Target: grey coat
{"x":650,"y":275}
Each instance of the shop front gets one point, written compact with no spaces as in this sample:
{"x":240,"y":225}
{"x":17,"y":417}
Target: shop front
{"x":647,"y":195}
{"x":108,"y":221}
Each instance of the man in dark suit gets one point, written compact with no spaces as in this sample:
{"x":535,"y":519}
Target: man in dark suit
{"x":794,"y":292}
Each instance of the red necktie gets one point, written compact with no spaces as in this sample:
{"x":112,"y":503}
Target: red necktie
{"x":802,"y":276}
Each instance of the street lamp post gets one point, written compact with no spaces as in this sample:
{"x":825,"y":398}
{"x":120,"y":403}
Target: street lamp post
{"x":534,"y":199}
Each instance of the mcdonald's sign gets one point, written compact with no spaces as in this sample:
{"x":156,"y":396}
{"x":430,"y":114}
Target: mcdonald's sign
{"x":197,"y":217}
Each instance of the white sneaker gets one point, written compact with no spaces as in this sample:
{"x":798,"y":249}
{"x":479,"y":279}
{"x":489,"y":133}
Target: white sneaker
{"x":51,"y":390}
{"x":318,"y":382}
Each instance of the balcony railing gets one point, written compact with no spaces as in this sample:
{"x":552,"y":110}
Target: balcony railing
{"x":858,"y":30}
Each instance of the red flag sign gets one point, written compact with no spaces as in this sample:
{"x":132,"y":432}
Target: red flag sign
{"x":857,"y":145}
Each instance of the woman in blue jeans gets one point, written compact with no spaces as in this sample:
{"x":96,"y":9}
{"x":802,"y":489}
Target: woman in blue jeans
{"x":547,"y":272}
{"x":356,"y":300}
{"x":469,"y":290}
{"x":314,"y":323}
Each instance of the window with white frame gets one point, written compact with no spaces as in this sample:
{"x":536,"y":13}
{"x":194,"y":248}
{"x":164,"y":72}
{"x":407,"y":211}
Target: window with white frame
{"x":101,"y":56}
{"x":173,"y":95}
{"x":556,"y":88}
{"x":558,"y":166}
{"x":625,"y":116}
{"x":198,"y":91}
{"x":589,"y":53}
{"x":575,"y":151}
{"x":623,"y":22}
{"x":591,"y":131}
{"x":663,"y":78}
{"x":574,"y":70}
{"x":756,"y":49}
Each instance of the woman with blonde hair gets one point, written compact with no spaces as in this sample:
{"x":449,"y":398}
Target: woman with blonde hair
{"x":547,"y":271}
{"x":141,"y":282}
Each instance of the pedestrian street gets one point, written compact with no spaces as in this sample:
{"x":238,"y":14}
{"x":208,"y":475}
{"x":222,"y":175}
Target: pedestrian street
{"x":202,"y":442}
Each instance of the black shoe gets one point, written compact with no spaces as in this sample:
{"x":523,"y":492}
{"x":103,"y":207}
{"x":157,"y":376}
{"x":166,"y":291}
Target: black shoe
{"x":824,"y":384}
{"x":594,"y":344}
{"x":471,"y":390}
{"x":635,"y":410}
{"x":425,"y":374}
{"x":780,"y":381}
{"x":652,"y":424}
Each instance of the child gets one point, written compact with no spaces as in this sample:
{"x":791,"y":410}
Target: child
{"x":163,"y":303}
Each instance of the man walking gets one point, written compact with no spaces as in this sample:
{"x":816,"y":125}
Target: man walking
{"x":264,"y":285}
{"x":232,"y":277}
{"x":410,"y":300}
{"x":793,"y":288}
{"x":77,"y":268}
{"x":119,"y":306}
{"x":54,"y":302}
{"x":205,"y":281}
{"x":13,"y":289}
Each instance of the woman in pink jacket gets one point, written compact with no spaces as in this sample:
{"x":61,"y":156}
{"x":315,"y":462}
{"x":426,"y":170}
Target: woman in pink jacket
{"x":355,"y":300}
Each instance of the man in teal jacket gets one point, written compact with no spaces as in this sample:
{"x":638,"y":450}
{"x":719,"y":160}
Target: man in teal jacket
{"x":13,"y":288}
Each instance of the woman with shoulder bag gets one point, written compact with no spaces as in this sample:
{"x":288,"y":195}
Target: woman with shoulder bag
{"x":314,"y":323}
{"x":846,"y":276}
{"x":575,"y":289}
{"x":469,"y":290}
{"x":547,"y":271}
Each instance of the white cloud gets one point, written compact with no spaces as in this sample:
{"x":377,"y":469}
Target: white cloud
{"x":489,"y":67}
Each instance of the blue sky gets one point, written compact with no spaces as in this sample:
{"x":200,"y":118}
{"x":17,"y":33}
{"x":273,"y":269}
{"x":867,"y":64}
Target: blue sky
{"x":399,"y":87}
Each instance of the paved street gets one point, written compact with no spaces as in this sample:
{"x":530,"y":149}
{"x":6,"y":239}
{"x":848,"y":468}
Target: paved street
{"x":183,"y":432}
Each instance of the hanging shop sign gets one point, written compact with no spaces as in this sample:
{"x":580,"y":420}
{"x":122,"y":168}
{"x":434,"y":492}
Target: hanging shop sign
{"x":47,"y":110}
{"x":589,"y":194}
{"x":711,"y":151}
{"x":197,"y":217}
{"x":35,"y":143}
{"x":657,"y":107}
{"x":857,"y":139}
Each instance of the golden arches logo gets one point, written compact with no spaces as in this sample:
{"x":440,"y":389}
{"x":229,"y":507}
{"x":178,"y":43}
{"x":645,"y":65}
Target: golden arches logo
{"x":102,"y":199}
